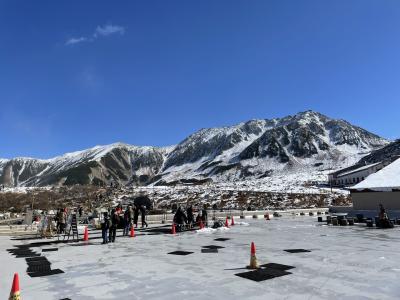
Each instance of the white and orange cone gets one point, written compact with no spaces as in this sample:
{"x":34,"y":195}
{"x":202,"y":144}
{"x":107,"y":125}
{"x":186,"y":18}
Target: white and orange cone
{"x":14,"y":294}
{"x":173,"y":229}
{"x":226,"y":222}
{"x":253,"y":259}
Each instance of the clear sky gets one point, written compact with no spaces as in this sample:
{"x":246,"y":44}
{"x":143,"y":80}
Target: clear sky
{"x":75,"y":74}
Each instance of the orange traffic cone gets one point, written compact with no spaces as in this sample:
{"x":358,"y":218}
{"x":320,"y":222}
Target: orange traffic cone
{"x":14,"y":294}
{"x":226,"y":222}
{"x":132,"y":233}
{"x":267,"y":216}
{"x":232,"y":221}
{"x":253,"y":258}
{"x":173,"y":230}
{"x":86,"y":234}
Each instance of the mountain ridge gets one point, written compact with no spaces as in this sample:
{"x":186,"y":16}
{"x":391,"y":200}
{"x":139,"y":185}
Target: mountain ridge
{"x":251,"y":149}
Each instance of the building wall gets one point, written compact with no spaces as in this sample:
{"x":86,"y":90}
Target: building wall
{"x":354,"y":178}
{"x":371,"y":200}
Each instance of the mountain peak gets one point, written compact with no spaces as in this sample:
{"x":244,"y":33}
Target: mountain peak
{"x":251,"y":149}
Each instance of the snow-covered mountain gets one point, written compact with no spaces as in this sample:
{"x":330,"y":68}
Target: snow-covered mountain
{"x":102,"y":164}
{"x":253,"y":149}
{"x":259,"y":147}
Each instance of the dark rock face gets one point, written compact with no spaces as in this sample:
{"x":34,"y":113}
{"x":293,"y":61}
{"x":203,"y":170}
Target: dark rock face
{"x":239,"y":151}
{"x":270,"y":144}
{"x":388,"y":152}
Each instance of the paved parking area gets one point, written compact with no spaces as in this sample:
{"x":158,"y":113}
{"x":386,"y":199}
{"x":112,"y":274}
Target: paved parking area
{"x":350,"y":262}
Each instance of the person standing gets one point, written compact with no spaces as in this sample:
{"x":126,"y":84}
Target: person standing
{"x":105,"y":226}
{"x":180,"y":219}
{"x":199,"y":219}
{"x":80,"y":211}
{"x":143,"y":214}
{"x":136,"y":215}
{"x":127,"y":220}
{"x":113,"y":227}
{"x":204,"y":215}
{"x":62,"y":220}
{"x":190,"y":216}
{"x":119,"y":209}
{"x":57,"y":219}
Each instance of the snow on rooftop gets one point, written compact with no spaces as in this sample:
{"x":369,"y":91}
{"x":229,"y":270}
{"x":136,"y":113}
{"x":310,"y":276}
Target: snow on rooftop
{"x":384,"y":180}
{"x":358,"y":170}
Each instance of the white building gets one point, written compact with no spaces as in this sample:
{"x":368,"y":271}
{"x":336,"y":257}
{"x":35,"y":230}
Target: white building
{"x":383,"y":187}
{"x":352,"y":176}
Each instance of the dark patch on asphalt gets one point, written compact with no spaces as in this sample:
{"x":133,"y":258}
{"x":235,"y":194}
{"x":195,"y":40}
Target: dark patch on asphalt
{"x":49,"y":249}
{"x":296,"y":250}
{"x":213,"y":247}
{"x":209,"y":250}
{"x":180,"y":252}
{"x":277,"y":266}
{"x":221,"y":239}
{"x":46,"y":273}
{"x":262,"y":274}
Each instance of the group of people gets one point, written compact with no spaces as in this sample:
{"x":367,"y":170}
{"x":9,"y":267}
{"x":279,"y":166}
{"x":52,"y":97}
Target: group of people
{"x":117,"y":217}
{"x":182,"y":219}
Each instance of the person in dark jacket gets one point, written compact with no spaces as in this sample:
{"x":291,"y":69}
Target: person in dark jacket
{"x":190,"y":216}
{"x":127,"y":220}
{"x":105,"y":226}
{"x":198,"y":219}
{"x":114,"y":225}
{"x":180,"y":219}
{"x":136,"y":215}
{"x":143,"y":214}
{"x":61,"y":220}
{"x":204,"y":215}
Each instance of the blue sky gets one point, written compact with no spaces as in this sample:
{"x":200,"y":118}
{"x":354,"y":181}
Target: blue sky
{"x":74,"y":74}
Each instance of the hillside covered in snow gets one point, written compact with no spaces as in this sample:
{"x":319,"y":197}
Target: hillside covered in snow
{"x":308,"y":143}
